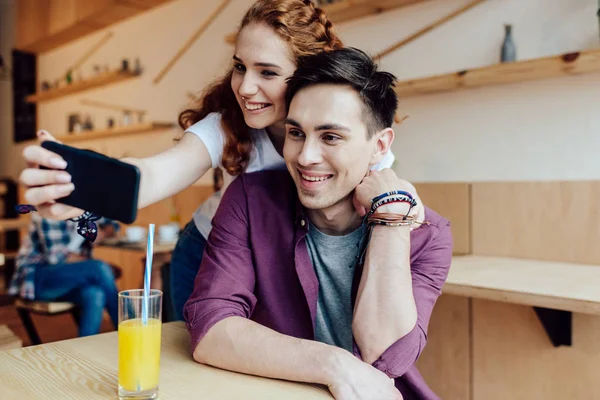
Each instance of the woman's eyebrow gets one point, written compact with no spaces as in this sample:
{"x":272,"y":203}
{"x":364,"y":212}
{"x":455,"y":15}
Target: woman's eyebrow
{"x":259,"y":64}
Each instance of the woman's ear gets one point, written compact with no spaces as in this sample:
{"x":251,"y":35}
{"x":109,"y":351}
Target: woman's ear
{"x":384,"y":140}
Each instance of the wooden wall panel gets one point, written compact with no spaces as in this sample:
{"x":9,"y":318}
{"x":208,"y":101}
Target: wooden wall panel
{"x":131,"y":263}
{"x":445,"y":362}
{"x":185,"y":202}
{"x":554,"y":221}
{"x":514,"y":359}
{"x":452,"y":201}
{"x":188,"y":201}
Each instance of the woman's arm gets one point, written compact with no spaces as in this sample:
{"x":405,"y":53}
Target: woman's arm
{"x":162,"y":175}
{"x":168,"y":173}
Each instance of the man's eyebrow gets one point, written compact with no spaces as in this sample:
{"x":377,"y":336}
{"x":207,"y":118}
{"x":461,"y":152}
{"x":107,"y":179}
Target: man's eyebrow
{"x":293,"y":122}
{"x":332,"y":127}
{"x":323,"y":127}
{"x":259,"y":64}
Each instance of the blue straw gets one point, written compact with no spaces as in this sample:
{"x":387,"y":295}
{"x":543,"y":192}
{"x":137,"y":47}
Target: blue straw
{"x":148,"y":273}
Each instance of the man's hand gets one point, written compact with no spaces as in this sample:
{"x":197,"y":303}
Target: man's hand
{"x":379,"y":182}
{"x":361,"y":381}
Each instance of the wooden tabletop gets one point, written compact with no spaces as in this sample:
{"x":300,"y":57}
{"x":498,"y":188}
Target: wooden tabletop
{"x":556,"y":285}
{"x":159,"y":247}
{"x":87,"y":368}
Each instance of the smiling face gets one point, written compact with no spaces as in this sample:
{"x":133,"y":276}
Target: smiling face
{"x":261,"y":64}
{"x":327,"y":150}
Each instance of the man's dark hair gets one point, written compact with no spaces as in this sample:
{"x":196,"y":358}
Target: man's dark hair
{"x":351,"y":67}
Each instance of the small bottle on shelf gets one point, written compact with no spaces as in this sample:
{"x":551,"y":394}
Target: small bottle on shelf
{"x":509,"y":51}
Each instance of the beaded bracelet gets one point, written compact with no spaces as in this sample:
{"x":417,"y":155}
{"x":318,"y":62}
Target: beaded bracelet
{"x":393,"y":199}
{"x":381,"y":196}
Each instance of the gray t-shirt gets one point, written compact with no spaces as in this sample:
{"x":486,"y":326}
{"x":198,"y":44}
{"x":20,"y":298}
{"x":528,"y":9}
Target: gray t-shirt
{"x":334,"y":258}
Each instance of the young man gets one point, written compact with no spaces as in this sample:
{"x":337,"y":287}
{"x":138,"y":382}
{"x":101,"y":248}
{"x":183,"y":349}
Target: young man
{"x":280,"y":292}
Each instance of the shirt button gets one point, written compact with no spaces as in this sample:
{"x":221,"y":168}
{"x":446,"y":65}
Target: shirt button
{"x":302,"y":223}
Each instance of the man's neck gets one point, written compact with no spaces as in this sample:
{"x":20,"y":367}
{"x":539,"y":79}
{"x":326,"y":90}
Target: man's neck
{"x":337,"y":220}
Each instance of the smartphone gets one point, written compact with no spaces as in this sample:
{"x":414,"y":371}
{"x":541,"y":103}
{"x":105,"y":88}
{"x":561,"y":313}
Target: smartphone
{"x":103,"y":185}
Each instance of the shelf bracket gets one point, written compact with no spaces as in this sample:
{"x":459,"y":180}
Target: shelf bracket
{"x":558,"y":325}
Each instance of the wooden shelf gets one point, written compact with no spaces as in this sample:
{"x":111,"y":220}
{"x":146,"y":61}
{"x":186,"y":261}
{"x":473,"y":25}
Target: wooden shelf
{"x":75,"y":87}
{"x":548,"y":67}
{"x":552,"y":285}
{"x":346,"y":10}
{"x":115,"y":132}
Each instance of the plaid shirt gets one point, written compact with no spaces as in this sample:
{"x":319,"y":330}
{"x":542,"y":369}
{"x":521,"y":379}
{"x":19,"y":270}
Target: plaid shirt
{"x":49,"y":242}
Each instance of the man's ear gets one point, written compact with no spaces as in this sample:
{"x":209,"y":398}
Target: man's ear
{"x":384,"y":140}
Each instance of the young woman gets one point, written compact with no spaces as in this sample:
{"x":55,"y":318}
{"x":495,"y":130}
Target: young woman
{"x":237,"y":125}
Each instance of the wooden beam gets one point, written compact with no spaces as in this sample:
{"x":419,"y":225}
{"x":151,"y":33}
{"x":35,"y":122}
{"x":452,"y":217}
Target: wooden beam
{"x":191,"y":40}
{"x":427,"y":29}
{"x":539,"y":68}
{"x":91,"y":51}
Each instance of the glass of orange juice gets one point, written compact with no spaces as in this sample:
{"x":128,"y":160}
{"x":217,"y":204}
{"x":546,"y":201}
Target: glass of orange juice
{"x":139,"y":344}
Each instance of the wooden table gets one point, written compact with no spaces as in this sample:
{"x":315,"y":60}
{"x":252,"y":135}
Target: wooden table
{"x":159,"y":247}
{"x":87,"y":368}
{"x":555,"y":285}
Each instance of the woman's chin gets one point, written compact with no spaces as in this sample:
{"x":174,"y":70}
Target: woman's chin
{"x":258,"y":121}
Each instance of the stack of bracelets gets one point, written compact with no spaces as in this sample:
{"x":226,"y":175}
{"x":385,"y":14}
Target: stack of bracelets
{"x":373,"y":218}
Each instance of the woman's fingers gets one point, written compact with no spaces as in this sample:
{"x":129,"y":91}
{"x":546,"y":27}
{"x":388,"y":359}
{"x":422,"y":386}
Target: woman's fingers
{"x":49,"y":193}
{"x":44,"y":135}
{"x":63,"y":211}
{"x":39,"y":177}
{"x":38,"y":155}
{"x":58,"y":211}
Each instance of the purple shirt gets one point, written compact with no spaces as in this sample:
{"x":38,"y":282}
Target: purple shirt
{"x":256,"y":265}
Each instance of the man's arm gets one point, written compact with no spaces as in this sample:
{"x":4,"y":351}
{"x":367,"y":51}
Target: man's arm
{"x":397,"y":291}
{"x":385,"y":307}
{"x":242,"y":345}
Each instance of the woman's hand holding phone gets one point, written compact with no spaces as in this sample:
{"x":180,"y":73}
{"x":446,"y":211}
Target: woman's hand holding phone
{"x":45,"y":186}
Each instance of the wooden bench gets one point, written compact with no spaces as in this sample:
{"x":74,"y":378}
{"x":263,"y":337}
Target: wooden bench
{"x":8,"y":340}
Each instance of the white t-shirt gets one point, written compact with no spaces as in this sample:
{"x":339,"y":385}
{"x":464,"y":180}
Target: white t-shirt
{"x":263,"y":157}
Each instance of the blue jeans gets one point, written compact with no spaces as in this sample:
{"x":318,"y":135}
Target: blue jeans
{"x":90,"y":284}
{"x":185,"y":263}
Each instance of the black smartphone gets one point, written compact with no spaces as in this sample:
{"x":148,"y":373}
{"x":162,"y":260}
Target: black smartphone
{"x":103,"y":185}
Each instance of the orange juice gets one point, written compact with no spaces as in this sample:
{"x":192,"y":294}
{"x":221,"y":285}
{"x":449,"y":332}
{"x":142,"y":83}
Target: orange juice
{"x":139,"y":354}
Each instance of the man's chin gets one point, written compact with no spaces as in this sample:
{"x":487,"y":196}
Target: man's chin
{"x":310,"y":201}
